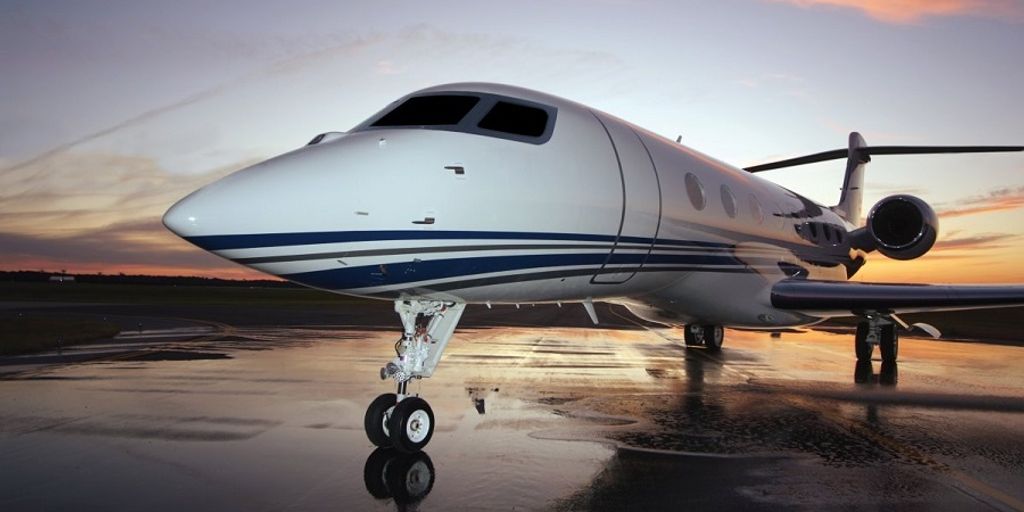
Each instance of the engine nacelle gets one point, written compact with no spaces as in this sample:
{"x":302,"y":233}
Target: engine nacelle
{"x":902,"y":227}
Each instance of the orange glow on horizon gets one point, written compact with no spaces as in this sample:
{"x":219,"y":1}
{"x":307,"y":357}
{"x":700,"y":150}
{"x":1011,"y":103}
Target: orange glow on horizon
{"x":911,"y":11}
{"x":932,"y":268}
{"x":235,"y":272}
{"x":939,"y":268}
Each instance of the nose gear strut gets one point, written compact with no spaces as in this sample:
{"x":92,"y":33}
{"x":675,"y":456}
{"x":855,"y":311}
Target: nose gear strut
{"x":402,"y":421}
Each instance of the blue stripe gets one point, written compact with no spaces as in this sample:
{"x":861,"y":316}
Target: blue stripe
{"x":407,"y":272}
{"x":223,"y":242}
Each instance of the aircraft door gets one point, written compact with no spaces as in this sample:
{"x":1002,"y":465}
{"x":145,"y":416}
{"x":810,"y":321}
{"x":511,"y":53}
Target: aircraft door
{"x":641,"y":213}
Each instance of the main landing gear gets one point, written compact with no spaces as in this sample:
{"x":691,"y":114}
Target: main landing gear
{"x":708,"y":336}
{"x":877,"y":330}
{"x":397,"y":419}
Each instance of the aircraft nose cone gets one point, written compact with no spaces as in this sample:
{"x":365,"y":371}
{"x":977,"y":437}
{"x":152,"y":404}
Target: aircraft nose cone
{"x":182,"y":218}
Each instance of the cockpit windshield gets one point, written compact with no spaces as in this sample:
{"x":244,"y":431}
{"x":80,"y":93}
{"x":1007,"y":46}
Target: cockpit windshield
{"x":439,"y":110}
{"x":478,"y":113}
{"x":515,"y":119}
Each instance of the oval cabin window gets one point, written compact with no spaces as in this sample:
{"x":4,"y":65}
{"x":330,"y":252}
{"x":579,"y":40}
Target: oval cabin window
{"x":728,"y":202}
{"x":695,"y":190}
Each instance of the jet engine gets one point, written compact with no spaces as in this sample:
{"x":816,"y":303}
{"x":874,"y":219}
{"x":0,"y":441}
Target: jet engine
{"x":902,"y":227}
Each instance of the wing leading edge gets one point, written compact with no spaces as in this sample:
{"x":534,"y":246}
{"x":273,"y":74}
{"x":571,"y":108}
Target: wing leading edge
{"x":839,"y":297}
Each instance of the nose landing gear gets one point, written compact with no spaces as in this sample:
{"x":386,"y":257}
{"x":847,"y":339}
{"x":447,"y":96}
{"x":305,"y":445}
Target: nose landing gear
{"x":397,"y":419}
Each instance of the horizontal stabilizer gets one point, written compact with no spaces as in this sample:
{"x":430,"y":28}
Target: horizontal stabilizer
{"x":867,"y":151}
{"x":835,"y":154}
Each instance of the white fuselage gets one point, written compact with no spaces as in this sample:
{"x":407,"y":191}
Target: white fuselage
{"x":600,"y":210}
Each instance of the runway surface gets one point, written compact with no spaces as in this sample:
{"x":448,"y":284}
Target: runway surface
{"x":257,"y":417}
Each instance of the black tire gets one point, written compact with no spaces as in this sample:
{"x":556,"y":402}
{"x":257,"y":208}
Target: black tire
{"x":693,"y":337}
{"x":411,"y":425}
{"x":410,"y":477}
{"x":863,"y":372}
{"x":861,"y":346}
{"x":714,"y":335}
{"x":889,"y":374}
{"x":889,"y":344}
{"x":375,"y":421}
{"x":375,"y":472}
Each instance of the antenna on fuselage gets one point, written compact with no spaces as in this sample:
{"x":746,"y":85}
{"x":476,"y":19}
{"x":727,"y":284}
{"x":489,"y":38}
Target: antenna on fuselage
{"x":588,"y":304}
{"x":679,"y":139}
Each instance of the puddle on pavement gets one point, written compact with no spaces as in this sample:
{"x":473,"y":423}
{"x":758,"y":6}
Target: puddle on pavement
{"x":174,"y":355}
{"x":607,"y":420}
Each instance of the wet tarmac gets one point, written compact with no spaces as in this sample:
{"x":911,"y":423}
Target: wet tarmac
{"x":260,"y":417}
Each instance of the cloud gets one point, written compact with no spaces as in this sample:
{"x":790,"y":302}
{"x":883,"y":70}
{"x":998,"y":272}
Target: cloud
{"x":887,"y":189}
{"x":415,"y":52}
{"x":127,"y":123}
{"x":988,"y":241}
{"x":963,"y":257}
{"x":100,"y":213}
{"x":299,"y":53}
{"x":912,"y":11}
{"x":957,"y":246}
{"x":753,"y":82}
{"x":505,"y":57}
{"x":143,"y":245}
{"x":386,"y":67}
{"x":1003,"y":199}
{"x":71,"y":192}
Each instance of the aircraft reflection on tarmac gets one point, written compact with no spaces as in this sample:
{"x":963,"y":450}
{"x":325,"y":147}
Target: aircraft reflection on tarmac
{"x":405,"y":478}
{"x":863,"y":371}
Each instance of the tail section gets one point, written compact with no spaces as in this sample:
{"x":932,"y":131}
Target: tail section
{"x":852,"y":196}
{"x":857,"y":154}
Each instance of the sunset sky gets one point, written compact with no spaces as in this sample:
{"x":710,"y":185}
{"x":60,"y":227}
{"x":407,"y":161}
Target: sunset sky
{"x":112,"y":110}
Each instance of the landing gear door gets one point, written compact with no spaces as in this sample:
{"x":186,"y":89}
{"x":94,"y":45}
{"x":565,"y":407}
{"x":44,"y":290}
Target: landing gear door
{"x":641,"y":212}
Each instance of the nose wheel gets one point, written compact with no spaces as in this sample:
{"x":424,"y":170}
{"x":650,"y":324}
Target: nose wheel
{"x":378,"y":414}
{"x":397,"y":420}
{"x":406,"y":426}
{"x":411,"y":425}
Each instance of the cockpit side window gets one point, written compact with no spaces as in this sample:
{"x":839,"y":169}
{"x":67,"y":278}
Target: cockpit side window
{"x":516,"y":119}
{"x":437,"y":110}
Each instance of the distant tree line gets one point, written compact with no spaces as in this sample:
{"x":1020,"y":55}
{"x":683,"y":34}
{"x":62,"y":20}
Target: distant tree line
{"x":40,"y":276}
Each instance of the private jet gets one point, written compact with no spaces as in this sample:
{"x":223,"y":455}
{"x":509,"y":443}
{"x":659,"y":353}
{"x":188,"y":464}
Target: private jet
{"x":476,"y":193}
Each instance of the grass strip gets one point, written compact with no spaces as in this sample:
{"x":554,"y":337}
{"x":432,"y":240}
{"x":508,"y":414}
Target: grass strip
{"x":26,"y":333}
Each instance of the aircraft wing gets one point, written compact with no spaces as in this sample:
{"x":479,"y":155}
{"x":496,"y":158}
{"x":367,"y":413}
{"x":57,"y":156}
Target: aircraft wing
{"x":838,"y":298}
